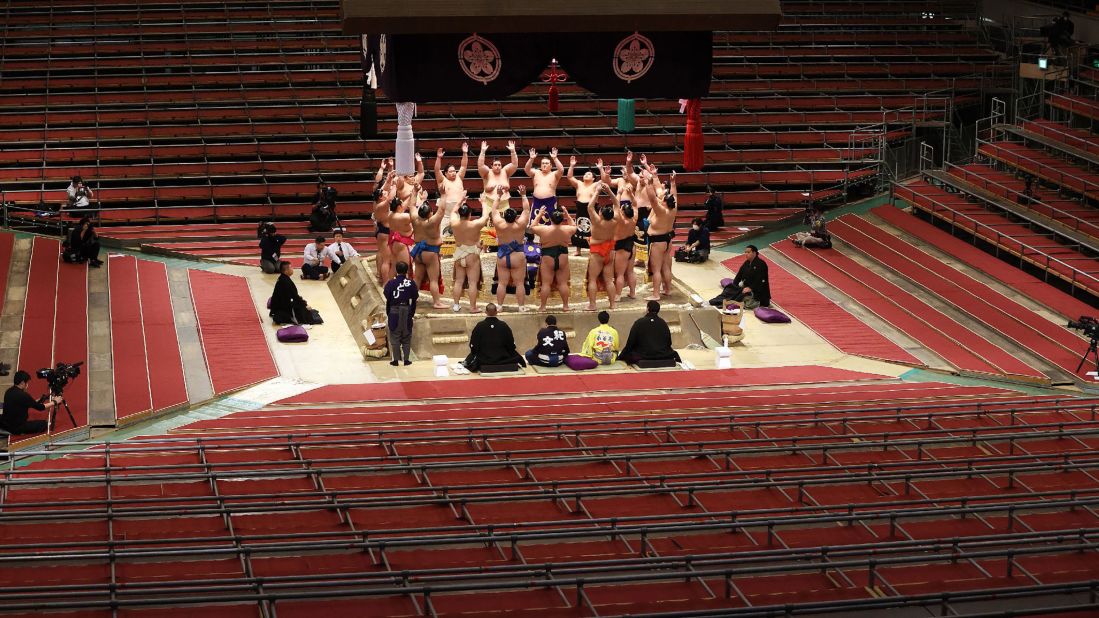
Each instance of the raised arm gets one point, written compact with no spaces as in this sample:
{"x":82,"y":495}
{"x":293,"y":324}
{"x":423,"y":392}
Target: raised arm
{"x":419,"y":178}
{"x":465,"y":160}
{"x":614,"y":196}
{"x":486,"y":213}
{"x":482,"y":169}
{"x":440,"y":209}
{"x":381,"y":174}
{"x":529,"y":167}
{"x":557,"y":162}
{"x":672,"y":189}
{"x":494,"y":214}
{"x":593,"y":205}
{"x":524,"y":218}
{"x":439,"y":167}
{"x":572,"y":179}
{"x":604,"y":173}
{"x":510,"y":168}
{"x":628,"y":174}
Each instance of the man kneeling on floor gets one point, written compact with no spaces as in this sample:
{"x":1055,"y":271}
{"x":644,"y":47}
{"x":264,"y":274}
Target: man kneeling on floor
{"x":287,"y":306}
{"x":551,"y":347}
{"x":15,"y":418}
{"x":650,"y":340}
{"x":492,"y":344}
{"x":313,"y":267}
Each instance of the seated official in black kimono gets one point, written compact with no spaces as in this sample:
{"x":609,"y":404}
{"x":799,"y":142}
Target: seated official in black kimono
{"x":287,"y":306}
{"x":650,"y":341}
{"x":551,"y":348}
{"x":492,"y":345}
{"x":752,"y":278}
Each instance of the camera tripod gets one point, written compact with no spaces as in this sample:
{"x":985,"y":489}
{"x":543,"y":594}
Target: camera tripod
{"x":53,"y":412}
{"x":1091,"y":353}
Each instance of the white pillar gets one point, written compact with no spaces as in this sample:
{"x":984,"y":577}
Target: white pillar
{"x":405,"y":149}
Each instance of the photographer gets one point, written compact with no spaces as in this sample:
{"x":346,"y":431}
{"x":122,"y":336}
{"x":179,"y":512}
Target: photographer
{"x":17,"y":405}
{"x":80,"y":195}
{"x":323,"y":216}
{"x":83,"y":244}
{"x":270,"y":246}
{"x":697,"y":248}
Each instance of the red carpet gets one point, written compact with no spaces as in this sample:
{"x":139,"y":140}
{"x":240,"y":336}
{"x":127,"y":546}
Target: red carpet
{"x":232,"y":335}
{"x":717,"y":378}
{"x":828,"y":319}
{"x":822,"y":398}
{"x":1051,"y":341}
{"x":131,"y":375}
{"x":36,"y":342}
{"x":161,"y":343}
{"x":1027,"y":284}
{"x":952,"y":341}
{"x":70,"y":340}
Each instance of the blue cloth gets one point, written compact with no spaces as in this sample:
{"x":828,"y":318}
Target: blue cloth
{"x":505,"y":251}
{"x":422,"y":246}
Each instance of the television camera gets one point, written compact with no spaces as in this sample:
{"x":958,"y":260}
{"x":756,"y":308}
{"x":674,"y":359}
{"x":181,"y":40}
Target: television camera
{"x":57,"y":378}
{"x":1089,"y":326}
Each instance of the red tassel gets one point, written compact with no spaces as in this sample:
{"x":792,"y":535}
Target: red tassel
{"x":693,"y":151}
{"x":553,"y":104}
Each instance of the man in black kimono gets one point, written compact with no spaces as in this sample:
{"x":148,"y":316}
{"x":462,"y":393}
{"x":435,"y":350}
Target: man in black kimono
{"x":650,"y":339}
{"x":551,"y":346}
{"x":401,"y":295}
{"x":752,"y":278}
{"x":492,"y":343}
{"x":287,"y":306}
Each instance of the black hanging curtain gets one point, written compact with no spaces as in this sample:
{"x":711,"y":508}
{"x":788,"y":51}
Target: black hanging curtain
{"x":420,"y":68}
{"x":657,"y":65}
{"x":475,"y":67}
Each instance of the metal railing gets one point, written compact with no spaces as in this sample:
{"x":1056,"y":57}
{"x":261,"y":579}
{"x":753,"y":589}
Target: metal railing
{"x":1000,"y":241}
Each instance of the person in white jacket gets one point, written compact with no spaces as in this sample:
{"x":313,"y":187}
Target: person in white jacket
{"x":340,"y":251}
{"x":313,"y":267}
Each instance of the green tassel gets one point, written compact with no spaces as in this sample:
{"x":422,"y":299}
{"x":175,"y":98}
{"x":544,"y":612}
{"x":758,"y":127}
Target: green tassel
{"x":625,"y":115}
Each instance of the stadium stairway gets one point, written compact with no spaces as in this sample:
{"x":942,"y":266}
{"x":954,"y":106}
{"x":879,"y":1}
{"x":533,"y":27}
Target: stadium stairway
{"x":147,"y":340}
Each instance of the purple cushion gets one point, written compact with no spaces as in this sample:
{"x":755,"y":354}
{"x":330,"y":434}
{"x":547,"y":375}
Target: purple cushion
{"x":771,"y":316}
{"x":577,"y":362}
{"x":293,"y":334}
{"x":268,"y":302}
{"x":726,"y":281}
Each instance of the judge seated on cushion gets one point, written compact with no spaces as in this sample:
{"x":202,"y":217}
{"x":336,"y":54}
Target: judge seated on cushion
{"x":650,"y":341}
{"x":551,"y":348}
{"x":492,"y":345}
{"x":287,"y":306}
{"x":752,"y":279}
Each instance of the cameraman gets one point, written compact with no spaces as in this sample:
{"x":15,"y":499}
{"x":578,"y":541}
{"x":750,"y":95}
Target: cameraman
{"x":80,"y":195}
{"x":323,"y":216}
{"x":83,"y":244}
{"x":17,"y":404}
{"x":270,"y":246}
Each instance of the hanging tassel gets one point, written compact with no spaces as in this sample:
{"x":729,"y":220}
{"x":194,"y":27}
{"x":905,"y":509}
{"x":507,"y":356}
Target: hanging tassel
{"x":553,"y":77}
{"x":368,"y":107}
{"x":368,"y":114}
{"x":693,"y":149}
{"x":625,"y":115}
